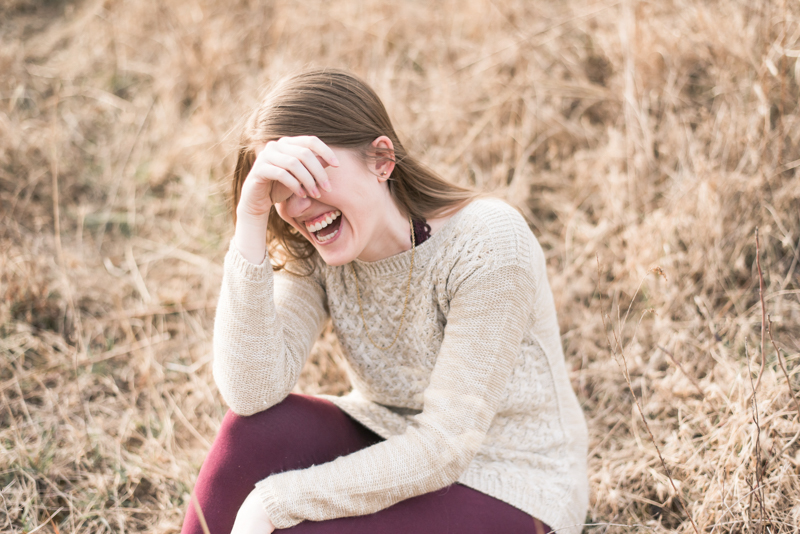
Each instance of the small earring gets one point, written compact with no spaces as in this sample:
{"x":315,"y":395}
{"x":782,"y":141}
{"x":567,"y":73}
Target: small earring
{"x":383,"y":173}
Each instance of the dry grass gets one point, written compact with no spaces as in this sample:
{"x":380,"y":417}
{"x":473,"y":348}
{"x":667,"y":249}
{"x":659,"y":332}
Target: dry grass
{"x":631,"y":133}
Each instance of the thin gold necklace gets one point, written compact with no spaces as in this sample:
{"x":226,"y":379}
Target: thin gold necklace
{"x":405,"y":304}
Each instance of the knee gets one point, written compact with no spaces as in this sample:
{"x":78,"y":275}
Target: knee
{"x":269,"y":425}
{"x":248,"y":448}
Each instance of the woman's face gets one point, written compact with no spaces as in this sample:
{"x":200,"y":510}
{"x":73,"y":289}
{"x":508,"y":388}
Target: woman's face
{"x":356,"y":219}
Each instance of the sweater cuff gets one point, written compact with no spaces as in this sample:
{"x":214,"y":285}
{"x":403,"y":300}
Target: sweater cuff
{"x":268,"y":498}
{"x":254,"y":273}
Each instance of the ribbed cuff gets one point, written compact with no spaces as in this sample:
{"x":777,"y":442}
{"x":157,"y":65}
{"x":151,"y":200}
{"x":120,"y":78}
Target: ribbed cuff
{"x":278,"y":516}
{"x":251,"y":272}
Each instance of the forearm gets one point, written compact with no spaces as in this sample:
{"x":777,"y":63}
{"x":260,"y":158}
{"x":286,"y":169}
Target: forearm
{"x":420,"y":461}
{"x":260,"y":347}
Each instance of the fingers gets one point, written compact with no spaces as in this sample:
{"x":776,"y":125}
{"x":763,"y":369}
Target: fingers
{"x":286,"y":161}
{"x":265,"y":172}
{"x":314,"y":144}
{"x":298,"y":163}
{"x":311,"y":167}
{"x":314,"y":154}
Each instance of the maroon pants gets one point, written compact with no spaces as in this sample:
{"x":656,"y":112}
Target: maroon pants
{"x":303,"y":431}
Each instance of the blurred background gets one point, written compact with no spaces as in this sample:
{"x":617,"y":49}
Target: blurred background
{"x":644,"y":141}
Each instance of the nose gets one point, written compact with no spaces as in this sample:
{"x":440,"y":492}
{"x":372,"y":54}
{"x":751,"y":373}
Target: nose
{"x":295,"y":206}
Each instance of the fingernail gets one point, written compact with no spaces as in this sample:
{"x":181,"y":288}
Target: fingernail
{"x":335,"y":161}
{"x":315,"y":192}
{"x":326,"y":186}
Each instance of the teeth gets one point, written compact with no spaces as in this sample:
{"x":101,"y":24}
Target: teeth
{"x":328,"y":237}
{"x":316,"y":227}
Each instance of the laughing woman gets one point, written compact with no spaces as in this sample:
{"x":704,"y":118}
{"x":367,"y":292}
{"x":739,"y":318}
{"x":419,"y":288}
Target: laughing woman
{"x":462,"y":417}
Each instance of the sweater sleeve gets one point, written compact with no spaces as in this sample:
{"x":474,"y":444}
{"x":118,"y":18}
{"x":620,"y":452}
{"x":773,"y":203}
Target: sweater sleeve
{"x":264,"y":329}
{"x":485,"y":326}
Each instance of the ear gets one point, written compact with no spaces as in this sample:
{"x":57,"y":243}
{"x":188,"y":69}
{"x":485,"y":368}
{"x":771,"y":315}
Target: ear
{"x":384,"y":157}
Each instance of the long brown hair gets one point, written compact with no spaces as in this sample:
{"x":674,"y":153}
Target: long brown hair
{"x":342,"y":111}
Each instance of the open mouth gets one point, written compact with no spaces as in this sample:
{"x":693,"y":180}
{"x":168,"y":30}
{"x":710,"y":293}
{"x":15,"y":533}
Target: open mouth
{"x":327,"y":227}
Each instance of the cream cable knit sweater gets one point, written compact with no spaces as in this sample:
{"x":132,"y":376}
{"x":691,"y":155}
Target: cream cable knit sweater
{"x":474,"y":391}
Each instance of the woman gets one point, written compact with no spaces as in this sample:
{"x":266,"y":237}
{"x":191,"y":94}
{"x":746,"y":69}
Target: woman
{"x":462,"y":417}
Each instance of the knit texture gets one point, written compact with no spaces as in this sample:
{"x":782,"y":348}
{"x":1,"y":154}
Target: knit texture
{"x":474,"y":391}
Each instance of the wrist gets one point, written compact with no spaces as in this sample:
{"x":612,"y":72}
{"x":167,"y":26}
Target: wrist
{"x":250,"y":237}
{"x":248,"y":218}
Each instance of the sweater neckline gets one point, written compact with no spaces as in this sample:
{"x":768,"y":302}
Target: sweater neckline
{"x":402,"y":261}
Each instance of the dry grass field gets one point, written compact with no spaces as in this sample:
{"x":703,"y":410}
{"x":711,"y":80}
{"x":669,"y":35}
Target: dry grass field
{"x":644,"y":141}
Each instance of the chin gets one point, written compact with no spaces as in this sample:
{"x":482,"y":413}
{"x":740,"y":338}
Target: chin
{"x":337,"y":250}
{"x":334,"y":259}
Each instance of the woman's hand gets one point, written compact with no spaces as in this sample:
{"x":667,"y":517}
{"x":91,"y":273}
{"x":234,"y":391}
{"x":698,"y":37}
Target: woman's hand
{"x":252,"y":518}
{"x":291,"y":165}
